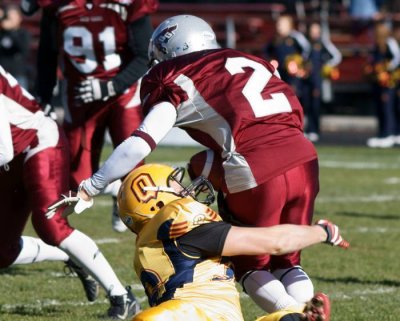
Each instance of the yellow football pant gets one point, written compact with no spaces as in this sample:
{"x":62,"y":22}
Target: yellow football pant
{"x":173,"y":310}
{"x":276,"y":316}
{"x":180,"y":310}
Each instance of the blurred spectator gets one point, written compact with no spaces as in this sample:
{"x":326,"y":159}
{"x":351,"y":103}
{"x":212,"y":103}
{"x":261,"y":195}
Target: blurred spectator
{"x":324,"y":57}
{"x":14,"y":45}
{"x":291,"y":49}
{"x":365,"y":9}
{"x":396,"y":36}
{"x":390,"y":7}
{"x":384,"y":75}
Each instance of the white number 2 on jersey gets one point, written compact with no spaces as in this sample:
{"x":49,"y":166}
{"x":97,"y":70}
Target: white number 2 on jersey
{"x":255,"y":85}
{"x":85,"y":49}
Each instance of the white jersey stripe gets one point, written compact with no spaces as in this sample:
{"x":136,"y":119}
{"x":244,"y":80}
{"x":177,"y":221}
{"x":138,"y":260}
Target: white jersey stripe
{"x":238,"y":175}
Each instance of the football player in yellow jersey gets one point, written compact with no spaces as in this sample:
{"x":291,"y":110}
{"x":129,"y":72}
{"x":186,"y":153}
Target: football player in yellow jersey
{"x":182,"y":247}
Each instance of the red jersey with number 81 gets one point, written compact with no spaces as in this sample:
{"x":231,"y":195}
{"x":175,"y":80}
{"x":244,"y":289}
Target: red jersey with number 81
{"x":237,"y":105}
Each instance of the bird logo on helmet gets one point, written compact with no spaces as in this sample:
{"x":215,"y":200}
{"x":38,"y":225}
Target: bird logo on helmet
{"x":180,"y":35}
{"x":148,"y":188}
{"x":163,"y":38}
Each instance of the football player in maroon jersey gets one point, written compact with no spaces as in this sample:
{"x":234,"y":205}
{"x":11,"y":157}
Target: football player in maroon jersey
{"x":33,"y":173}
{"x":103,"y":48}
{"x":236,"y":105}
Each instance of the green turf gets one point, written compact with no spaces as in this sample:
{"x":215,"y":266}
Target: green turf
{"x":359,"y":191}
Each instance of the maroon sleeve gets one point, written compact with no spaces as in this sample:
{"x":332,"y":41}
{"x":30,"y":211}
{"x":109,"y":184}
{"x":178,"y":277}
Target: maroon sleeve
{"x":140,"y":8}
{"x":158,"y":86}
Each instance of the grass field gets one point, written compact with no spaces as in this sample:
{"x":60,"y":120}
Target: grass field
{"x":359,"y":191}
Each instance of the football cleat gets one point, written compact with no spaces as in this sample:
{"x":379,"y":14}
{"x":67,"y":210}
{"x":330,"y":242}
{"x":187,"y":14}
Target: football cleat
{"x":318,"y":308}
{"x":123,"y":306}
{"x":90,"y":285}
{"x":381,"y":142}
{"x":117,"y":224}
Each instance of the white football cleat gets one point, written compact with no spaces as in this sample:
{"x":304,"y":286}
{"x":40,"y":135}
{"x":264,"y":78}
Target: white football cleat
{"x":384,"y":142}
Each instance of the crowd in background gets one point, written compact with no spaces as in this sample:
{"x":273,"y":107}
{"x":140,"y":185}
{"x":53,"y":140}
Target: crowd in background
{"x":306,"y":57}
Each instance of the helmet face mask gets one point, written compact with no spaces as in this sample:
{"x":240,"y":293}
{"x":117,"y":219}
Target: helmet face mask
{"x":150,"y":187}
{"x":200,"y":189}
{"x":180,"y":35}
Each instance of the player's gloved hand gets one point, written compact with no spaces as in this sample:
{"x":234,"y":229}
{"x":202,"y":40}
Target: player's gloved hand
{"x":93,"y":89}
{"x":49,"y":111}
{"x":333,"y":234}
{"x":71,"y":203}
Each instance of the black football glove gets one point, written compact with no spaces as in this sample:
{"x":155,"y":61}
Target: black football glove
{"x":94,"y":89}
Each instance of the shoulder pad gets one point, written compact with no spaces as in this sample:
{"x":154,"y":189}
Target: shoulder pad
{"x":187,"y":214}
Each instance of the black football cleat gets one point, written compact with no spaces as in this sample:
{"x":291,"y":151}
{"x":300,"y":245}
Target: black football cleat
{"x":90,"y":285}
{"x":123,"y":306}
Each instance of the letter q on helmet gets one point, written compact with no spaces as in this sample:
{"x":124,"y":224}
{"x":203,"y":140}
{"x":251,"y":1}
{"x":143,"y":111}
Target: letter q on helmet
{"x":180,"y":35}
{"x":148,"y":188}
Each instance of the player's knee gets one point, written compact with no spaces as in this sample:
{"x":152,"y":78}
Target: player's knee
{"x":52,"y":237}
{"x":52,"y":233}
{"x":297,"y":283}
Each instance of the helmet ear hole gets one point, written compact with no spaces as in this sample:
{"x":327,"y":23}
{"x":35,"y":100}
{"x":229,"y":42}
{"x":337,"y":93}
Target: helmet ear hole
{"x":160,"y":204}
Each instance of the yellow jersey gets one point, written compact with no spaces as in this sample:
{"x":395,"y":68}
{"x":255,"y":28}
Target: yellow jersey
{"x":167,"y":272}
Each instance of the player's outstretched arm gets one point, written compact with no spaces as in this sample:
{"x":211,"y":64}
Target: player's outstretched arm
{"x":280,"y":239}
{"x":130,"y":152}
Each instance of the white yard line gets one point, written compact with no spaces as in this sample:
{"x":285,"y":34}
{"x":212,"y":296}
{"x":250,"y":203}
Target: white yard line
{"x":374,"y":198}
{"x":107,"y":241}
{"x":356,"y":294}
{"x":38,"y":305}
{"x":357,"y":165}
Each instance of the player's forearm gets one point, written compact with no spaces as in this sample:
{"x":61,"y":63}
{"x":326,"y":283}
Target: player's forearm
{"x":291,"y":238}
{"x":127,"y":155}
{"x":123,"y":159}
{"x":275,"y":240}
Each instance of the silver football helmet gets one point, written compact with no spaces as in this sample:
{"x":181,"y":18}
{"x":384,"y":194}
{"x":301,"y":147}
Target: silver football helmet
{"x":180,"y":35}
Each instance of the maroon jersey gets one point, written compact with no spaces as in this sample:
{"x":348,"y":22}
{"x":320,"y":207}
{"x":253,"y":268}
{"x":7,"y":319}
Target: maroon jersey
{"x":237,"y":105}
{"x":93,"y":35}
{"x":31,"y":130}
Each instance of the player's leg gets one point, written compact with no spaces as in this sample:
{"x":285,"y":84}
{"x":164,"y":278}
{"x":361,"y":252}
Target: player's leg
{"x":303,"y":187}
{"x":244,"y":208}
{"x":85,"y":143}
{"x":46,"y":178}
{"x":296,"y":282}
{"x":317,"y":309}
{"x":125,"y":116}
{"x":14,"y":248}
{"x":261,"y":206}
{"x":173,"y":310}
